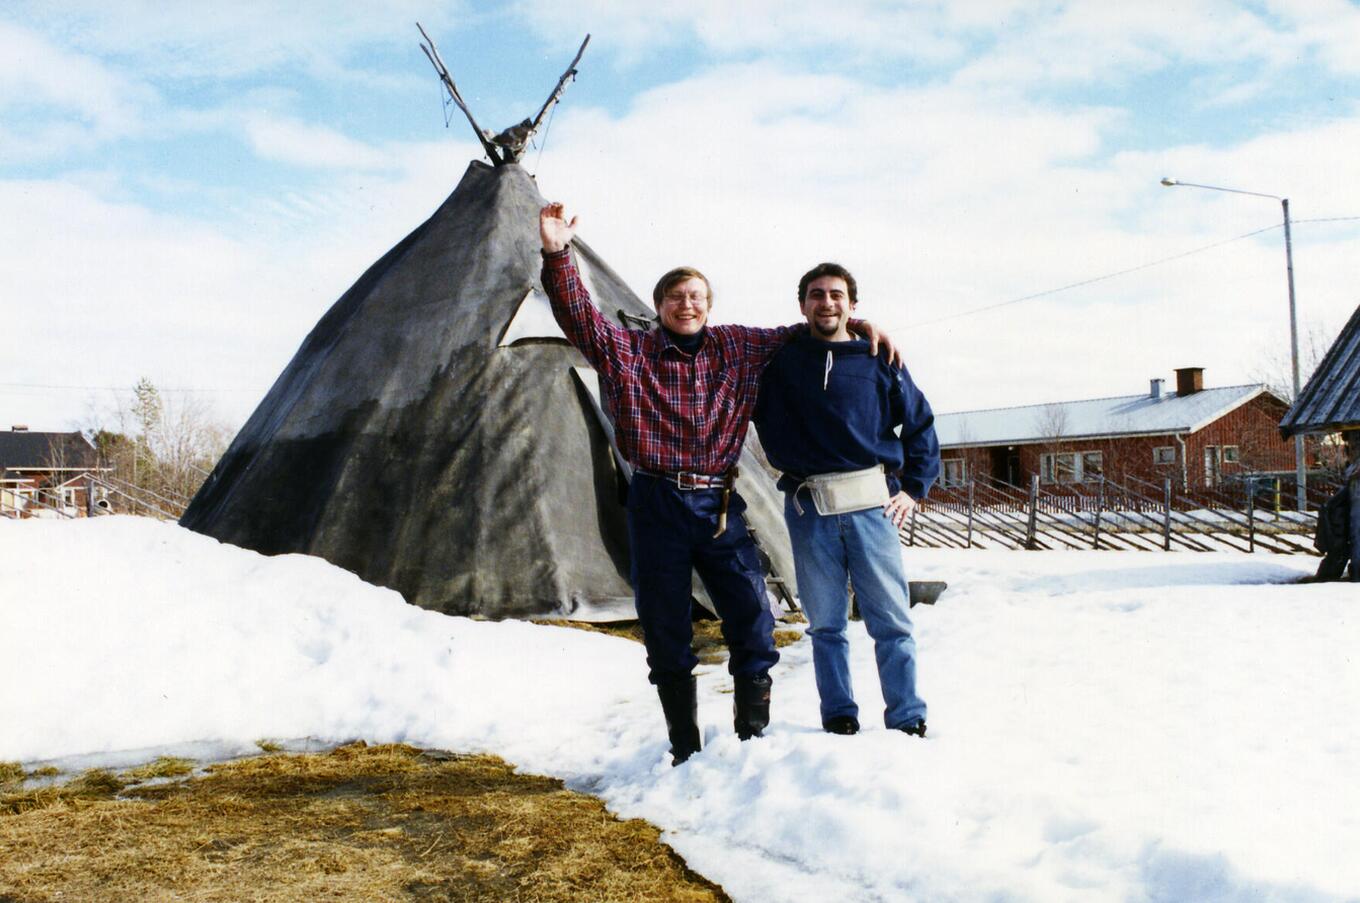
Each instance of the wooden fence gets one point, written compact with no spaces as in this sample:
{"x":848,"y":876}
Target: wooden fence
{"x":103,"y":494}
{"x":1130,"y":514}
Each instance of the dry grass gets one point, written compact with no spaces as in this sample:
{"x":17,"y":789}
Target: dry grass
{"x":164,"y":767}
{"x":709,"y":644}
{"x":11,"y":773}
{"x":358,"y":823}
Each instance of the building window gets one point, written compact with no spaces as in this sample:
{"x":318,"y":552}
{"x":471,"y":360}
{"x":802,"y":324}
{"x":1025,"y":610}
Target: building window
{"x":1213,"y":460}
{"x":1164,"y":454}
{"x":1230,"y":454}
{"x":955,"y":472}
{"x":1071,"y":467}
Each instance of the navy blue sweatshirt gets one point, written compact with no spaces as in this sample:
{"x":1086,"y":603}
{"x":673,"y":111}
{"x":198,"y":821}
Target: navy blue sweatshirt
{"x":828,"y":407}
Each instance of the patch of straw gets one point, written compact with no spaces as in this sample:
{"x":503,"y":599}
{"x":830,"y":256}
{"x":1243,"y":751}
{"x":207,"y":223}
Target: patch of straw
{"x":360,"y":822}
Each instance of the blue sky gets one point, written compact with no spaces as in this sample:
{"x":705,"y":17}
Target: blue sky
{"x":188,"y":189}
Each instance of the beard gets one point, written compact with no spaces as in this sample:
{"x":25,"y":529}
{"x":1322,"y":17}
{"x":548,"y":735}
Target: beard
{"x":824,"y":332}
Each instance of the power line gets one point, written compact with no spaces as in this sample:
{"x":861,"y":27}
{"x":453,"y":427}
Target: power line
{"x":1125,"y":272}
{"x":1094,"y":279}
{"x":111,"y":388}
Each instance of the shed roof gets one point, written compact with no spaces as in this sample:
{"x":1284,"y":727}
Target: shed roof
{"x":1331,"y":399}
{"x":24,"y":450}
{"x":1124,"y":415}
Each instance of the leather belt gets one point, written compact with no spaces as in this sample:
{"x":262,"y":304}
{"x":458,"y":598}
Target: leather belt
{"x":689,"y":481}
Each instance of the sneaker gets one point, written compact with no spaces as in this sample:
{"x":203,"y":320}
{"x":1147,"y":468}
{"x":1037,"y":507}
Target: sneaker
{"x":841,"y":724}
{"x":916,"y":728}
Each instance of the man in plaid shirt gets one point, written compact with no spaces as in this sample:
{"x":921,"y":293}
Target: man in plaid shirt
{"x":681,"y":397}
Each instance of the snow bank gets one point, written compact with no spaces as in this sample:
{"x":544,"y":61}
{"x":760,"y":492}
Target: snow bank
{"x":1128,"y":726}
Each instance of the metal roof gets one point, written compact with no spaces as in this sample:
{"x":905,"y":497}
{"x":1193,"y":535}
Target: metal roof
{"x":1124,"y":415}
{"x":1331,"y":399}
{"x":23,"y":450}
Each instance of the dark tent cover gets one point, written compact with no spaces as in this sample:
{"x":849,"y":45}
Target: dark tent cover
{"x":434,"y":433}
{"x":1331,"y":399}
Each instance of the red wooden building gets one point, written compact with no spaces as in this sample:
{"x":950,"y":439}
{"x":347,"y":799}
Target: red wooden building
{"x":1199,"y":437}
{"x":47,"y":474}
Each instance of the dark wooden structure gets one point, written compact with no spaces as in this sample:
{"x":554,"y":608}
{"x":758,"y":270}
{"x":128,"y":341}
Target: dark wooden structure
{"x":1330,"y":403}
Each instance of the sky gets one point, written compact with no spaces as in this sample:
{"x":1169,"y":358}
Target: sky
{"x":1100,"y":723}
{"x":187,"y":190}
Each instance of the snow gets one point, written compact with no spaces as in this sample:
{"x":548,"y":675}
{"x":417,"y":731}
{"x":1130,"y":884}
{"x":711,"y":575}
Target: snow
{"x":1103,"y":725}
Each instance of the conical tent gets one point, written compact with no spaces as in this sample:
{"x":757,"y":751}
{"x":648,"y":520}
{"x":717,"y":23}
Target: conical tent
{"x":435,"y":434}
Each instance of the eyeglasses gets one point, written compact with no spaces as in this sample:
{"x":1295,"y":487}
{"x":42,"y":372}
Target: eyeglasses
{"x":676,"y":297}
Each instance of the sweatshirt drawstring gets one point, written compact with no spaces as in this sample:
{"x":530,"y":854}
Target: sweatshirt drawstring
{"x":826,"y":376}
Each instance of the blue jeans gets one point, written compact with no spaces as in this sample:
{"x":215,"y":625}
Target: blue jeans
{"x":863,"y":549}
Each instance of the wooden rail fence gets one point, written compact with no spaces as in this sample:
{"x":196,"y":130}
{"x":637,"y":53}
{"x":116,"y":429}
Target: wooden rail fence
{"x":1105,"y":514}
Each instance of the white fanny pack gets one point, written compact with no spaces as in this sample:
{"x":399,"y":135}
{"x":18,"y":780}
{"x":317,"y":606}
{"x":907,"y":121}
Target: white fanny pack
{"x":841,"y":493}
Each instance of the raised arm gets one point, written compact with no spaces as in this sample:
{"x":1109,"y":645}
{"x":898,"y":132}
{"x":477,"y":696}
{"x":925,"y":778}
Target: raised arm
{"x":602,"y":342}
{"x":554,"y":229}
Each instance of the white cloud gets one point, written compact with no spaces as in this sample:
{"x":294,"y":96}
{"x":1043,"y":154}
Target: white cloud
{"x":54,"y":100}
{"x":947,"y":198}
{"x":928,"y":34}
{"x":1329,"y":27}
{"x":110,"y":291}
{"x":229,"y":40}
{"x":941,"y":196}
{"x":302,"y":144}
{"x":1052,"y":43}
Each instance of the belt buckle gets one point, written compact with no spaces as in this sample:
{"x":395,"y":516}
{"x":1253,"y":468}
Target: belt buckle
{"x":685,"y":480}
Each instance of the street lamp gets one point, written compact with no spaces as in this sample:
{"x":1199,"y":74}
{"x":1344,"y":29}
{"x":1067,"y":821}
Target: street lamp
{"x":1300,"y":474}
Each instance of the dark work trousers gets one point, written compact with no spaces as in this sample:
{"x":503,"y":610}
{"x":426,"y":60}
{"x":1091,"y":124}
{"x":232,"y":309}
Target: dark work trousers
{"x":671,"y":532}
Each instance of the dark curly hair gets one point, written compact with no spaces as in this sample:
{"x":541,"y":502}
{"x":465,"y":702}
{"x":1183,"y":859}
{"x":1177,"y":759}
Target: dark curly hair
{"x":827,"y":269}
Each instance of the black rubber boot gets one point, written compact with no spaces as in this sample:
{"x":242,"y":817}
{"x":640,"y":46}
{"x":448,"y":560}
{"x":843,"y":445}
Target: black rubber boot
{"x":680,"y":703}
{"x":751,"y":705}
{"x":845,"y":725}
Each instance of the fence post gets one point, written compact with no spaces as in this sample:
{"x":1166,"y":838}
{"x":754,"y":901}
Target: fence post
{"x":911,"y":533}
{"x":89,"y":495}
{"x":970,"y":514}
{"x":1166,"y":515}
{"x":1033,"y":510}
{"x":1100,"y":506}
{"x":1251,"y":514}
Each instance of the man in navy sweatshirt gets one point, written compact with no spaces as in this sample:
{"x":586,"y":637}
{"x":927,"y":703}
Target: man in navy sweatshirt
{"x":828,"y":416}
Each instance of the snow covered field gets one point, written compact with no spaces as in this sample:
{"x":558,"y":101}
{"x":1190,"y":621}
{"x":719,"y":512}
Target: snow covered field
{"x":1103,"y":725}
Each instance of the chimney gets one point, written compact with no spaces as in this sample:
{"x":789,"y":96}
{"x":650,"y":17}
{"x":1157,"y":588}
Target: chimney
{"x":1157,"y":389}
{"x":20,"y":427}
{"x":1189,"y":380}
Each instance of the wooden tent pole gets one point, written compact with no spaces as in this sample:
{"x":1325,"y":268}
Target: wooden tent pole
{"x":432,"y":54}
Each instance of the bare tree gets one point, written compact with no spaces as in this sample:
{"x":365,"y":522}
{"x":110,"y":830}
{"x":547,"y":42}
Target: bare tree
{"x":163,"y":446}
{"x":187,"y":443}
{"x":1274,"y":370}
{"x":1050,"y":422}
{"x":1274,"y":367}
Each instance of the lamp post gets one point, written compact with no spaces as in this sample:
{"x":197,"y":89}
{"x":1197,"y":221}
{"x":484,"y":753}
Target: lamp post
{"x":1300,"y":465}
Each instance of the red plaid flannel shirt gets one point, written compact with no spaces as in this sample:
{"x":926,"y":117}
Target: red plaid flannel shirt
{"x":672,"y":411}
